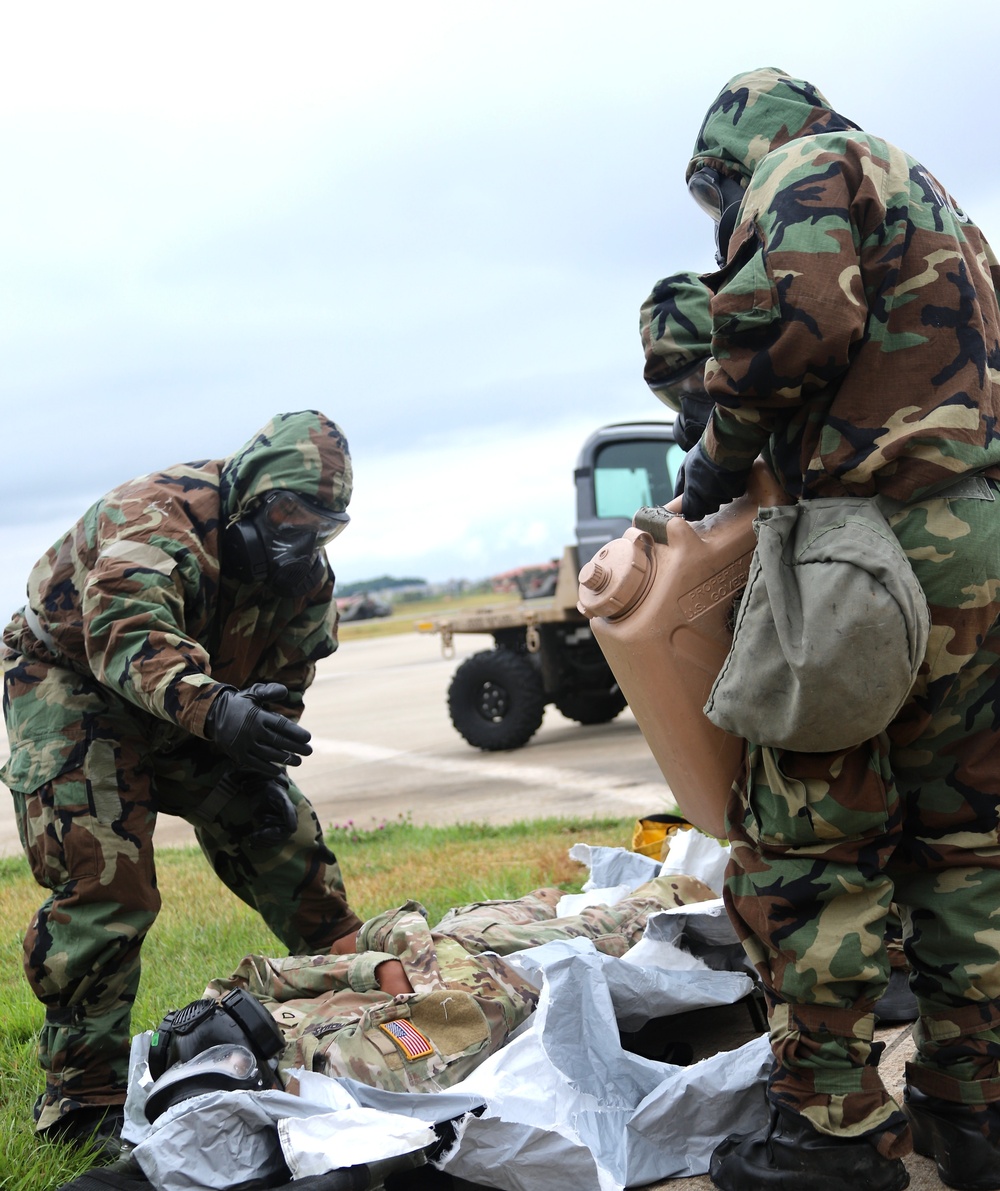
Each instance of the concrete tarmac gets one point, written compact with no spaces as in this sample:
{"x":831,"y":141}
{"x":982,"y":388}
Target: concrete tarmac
{"x":384,"y":747}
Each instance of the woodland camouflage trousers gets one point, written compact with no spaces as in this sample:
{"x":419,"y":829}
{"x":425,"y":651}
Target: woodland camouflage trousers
{"x":823,"y":843}
{"x":88,"y":780}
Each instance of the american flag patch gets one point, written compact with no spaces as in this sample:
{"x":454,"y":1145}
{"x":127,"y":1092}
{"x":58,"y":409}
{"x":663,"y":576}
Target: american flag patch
{"x":408,"y":1038}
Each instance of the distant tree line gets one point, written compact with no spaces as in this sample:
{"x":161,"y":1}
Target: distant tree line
{"x":382,"y":583}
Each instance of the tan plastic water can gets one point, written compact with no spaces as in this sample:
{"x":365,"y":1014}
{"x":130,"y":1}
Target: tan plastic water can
{"x":660,"y":602}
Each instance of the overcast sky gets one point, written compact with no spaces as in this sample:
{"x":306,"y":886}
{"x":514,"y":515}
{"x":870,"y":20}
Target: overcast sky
{"x":433,"y":221}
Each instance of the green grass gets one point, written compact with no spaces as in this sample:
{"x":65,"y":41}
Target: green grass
{"x":406,"y":616}
{"x":203,"y":932}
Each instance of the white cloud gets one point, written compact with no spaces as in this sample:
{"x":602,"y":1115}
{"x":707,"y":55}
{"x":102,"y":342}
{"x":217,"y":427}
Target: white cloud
{"x":470,"y":508}
{"x":434,"y":221}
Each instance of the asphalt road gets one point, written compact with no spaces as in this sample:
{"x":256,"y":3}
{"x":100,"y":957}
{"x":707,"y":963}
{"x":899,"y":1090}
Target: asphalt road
{"x":384,"y":746}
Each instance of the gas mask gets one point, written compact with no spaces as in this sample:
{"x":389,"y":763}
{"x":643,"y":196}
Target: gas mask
{"x":279,"y":542}
{"x":721,"y":197}
{"x":222,"y":1068}
{"x":226,"y":1045}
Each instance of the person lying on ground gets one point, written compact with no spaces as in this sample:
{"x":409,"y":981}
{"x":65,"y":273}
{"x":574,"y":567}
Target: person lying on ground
{"x":416,"y":1008}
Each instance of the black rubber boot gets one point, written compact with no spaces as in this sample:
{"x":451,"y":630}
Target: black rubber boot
{"x":96,"y":1131}
{"x":103,"y":1178}
{"x":952,"y":1134}
{"x":792,"y":1156}
{"x":897,"y":1003}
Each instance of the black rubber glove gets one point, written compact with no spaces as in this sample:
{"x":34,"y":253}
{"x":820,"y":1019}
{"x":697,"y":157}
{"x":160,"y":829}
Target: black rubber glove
{"x":253,"y":808}
{"x":274,"y":812}
{"x":679,"y":479}
{"x":707,"y":487}
{"x":690,"y":423}
{"x":255,"y":738}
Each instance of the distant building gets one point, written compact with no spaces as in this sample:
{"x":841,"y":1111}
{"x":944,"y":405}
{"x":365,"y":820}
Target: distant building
{"x":527,"y":581}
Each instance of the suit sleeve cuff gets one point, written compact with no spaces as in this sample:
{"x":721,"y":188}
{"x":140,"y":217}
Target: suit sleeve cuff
{"x":361,"y":972}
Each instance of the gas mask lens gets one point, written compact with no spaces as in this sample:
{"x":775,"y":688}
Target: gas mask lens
{"x":721,"y":197}
{"x":706,"y":190}
{"x":236,"y":1063}
{"x":289,"y":514}
{"x":225,"y":1068}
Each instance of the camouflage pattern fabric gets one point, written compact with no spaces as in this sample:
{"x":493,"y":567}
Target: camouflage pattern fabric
{"x":134,"y":594}
{"x":855,"y":343}
{"x":106,"y":729}
{"x":675,"y":325}
{"x":855,"y":329}
{"x":466,"y":999}
{"x":823,"y":843}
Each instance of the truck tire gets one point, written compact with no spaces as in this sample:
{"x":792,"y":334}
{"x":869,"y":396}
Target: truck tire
{"x":496,"y":700}
{"x":591,"y":707}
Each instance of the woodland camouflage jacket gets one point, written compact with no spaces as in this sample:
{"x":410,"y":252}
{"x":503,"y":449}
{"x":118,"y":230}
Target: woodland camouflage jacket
{"x":675,"y":326}
{"x":133,"y":593}
{"x":855,"y":325}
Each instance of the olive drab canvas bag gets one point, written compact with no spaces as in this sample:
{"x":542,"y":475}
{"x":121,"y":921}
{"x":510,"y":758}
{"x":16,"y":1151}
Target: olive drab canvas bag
{"x":830,"y":632}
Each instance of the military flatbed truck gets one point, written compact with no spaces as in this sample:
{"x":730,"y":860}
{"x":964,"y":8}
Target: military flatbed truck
{"x":544,"y":651}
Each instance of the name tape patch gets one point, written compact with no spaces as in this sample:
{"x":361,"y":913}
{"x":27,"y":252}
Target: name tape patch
{"x":408,"y":1038}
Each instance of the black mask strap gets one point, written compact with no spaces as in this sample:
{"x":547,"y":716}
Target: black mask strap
{"x":724,"y":232}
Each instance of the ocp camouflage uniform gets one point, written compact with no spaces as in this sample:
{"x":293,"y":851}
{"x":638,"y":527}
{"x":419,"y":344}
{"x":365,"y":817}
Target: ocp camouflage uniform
{"x":856,"y":341}
{"x":106,"y":699}
{"x":466,"y":1000}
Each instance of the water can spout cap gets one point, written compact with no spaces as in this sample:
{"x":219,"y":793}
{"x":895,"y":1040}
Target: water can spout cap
{"x":618,"y":577}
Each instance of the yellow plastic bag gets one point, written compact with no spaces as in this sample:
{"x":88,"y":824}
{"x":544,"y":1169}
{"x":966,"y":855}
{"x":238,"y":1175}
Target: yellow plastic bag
{"x":651,"y":835}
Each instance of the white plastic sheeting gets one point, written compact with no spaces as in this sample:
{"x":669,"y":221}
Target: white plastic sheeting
{"x":561,"y":1105}
{"x":564,"y":1096}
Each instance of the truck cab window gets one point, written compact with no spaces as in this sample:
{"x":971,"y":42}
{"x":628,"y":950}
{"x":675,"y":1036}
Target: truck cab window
{"x":631,"y":474}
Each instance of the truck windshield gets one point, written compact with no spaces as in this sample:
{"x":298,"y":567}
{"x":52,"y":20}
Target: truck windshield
{"x":631,"y":474}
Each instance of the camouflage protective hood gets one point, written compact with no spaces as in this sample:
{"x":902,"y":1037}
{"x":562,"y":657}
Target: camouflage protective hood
{"x":758,"y":111}
{"x":302,"y":452}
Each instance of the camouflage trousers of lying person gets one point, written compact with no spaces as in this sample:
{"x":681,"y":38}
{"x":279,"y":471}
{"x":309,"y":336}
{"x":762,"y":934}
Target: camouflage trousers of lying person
{"x":823,"y":843}
{"x":89,"y":774}
{"x":466,"y":999}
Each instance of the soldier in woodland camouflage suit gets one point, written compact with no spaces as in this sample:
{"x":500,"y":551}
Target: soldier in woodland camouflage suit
{"x":457,"y":1002}
{"x":138,"y":680}
{"x":675,"y":326}
{"x":856,"y":343}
